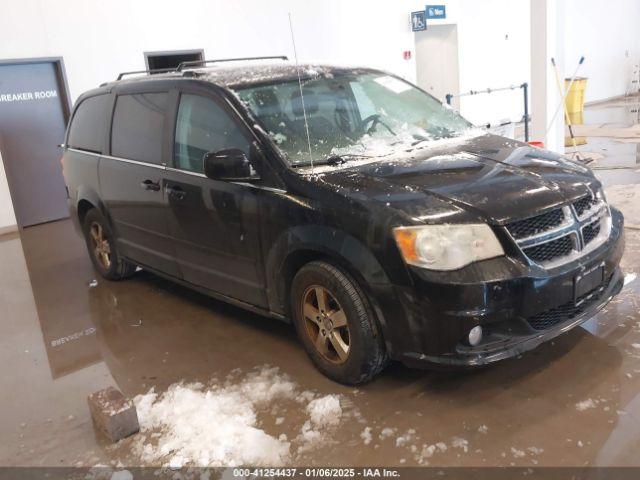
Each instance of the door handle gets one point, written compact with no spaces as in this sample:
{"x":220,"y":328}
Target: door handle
{"x":150,"y":185}
{"x":176,"y":192}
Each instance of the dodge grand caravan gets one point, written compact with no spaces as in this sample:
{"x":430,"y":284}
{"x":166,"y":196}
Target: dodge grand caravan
{"x":346,"y":201}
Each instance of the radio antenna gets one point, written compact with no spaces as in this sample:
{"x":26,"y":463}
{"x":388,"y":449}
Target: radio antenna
{"x":304,"y":110}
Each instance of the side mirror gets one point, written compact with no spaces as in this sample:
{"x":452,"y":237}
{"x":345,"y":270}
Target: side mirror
{"x":228,"y":164}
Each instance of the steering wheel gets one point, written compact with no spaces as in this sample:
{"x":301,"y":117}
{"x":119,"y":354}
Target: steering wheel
{"x":374,"y":120}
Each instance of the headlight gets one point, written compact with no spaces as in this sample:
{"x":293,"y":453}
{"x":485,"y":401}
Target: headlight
{"x":447,"y":247}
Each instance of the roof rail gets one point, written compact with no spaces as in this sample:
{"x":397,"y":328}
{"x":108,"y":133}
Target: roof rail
{"x":195,"y":63}
{"x":157,"y":70}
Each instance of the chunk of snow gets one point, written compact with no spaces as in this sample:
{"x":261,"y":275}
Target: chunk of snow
{"x":176,"y":462}
{"x":366,"y":435}
{"x":483,"y":429}
{"x":428,"y":452}
{"x":458,"y":442}
{"x":325,"y":411}
{"x":629,"y":277}
{"x":279,"y":138}
{"x":386,"y":432}
{"x":404,"y":439}
{"x":308,"y":437}
{"x":517,"y":453}
{"x":585,"y":405}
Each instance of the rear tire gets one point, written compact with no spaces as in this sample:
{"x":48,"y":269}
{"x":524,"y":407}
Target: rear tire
{"x":335,"y":324}
{"x":102,"y":248}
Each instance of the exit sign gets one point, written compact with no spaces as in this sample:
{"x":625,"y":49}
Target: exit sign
{"x":436,"y":11}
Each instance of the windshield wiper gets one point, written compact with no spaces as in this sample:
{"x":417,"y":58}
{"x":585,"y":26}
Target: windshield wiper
{"x":332,"y":160}
{"x":338,"y":159}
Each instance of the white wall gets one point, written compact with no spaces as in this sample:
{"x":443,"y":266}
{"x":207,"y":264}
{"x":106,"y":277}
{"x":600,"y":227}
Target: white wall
{"x":99,"y":39}
{"x":606,"y":34}
{"x":494,"y":52}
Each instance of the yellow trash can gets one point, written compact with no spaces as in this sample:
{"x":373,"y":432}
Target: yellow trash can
{"x":575,"y":95}
{"x":575,"y":106}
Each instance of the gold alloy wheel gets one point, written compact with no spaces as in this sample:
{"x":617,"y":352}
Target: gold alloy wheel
{"x":100,"y":245}
{"x":326,"y":324}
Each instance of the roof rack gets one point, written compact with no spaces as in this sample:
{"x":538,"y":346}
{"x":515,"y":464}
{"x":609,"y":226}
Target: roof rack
{"x":196,"y":63}
{"x":157,"y":70}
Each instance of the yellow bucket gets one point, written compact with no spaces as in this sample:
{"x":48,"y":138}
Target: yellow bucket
{"x":575,"y":106}
{"x":575,"y":96}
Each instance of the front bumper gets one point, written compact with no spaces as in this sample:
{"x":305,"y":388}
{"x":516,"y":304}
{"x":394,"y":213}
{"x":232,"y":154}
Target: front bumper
{"x":505,"y":297}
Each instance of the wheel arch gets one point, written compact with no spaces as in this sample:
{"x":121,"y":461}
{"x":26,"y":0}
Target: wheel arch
{"x":88,"y":198}
{"x":301,"y":245}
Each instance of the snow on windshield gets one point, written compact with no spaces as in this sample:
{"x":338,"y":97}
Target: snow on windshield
{"x":349,"y":114}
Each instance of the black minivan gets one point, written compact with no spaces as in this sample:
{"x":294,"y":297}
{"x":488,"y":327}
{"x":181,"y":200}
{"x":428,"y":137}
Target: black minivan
{"x":348,"y":201}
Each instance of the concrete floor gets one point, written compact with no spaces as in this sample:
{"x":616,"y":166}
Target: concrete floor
{"x":61,"y":339}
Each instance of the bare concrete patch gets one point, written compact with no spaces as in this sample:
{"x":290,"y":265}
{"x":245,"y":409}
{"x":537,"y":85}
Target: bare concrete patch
{"x":621,"y":134}
{"x":627,"y":199}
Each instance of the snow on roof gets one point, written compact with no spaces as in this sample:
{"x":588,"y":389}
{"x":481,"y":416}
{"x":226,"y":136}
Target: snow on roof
{"x":250,"y":73}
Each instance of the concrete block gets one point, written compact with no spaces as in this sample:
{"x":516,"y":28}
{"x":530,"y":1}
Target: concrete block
{"x":113,"y":414}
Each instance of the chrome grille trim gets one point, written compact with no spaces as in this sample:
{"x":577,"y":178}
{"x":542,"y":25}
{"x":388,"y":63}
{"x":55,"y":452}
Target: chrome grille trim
{"x":574,"y":226}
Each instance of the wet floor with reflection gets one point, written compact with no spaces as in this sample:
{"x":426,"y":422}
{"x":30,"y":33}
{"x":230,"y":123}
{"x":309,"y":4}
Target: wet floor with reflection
{"x":574,"y":401}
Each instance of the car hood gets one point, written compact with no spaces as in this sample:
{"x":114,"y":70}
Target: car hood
{"x":487,"y":176}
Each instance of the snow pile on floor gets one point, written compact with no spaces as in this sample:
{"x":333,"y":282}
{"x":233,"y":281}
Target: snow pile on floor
{"x":218,"y":425}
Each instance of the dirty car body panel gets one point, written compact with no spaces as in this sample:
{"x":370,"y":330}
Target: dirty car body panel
{"x":243,"y":241}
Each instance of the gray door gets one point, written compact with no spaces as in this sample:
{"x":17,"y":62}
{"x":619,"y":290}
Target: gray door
{"x":32,"y":125}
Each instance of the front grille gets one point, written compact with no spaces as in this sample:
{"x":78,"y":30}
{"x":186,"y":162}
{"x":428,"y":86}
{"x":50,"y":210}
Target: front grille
{"x":538,"y":224}
{"x":567,"y":311}
{"x":590,"y":232}
{"x":548,"y":251}
{"x":548,"y":238}
{"x":584,"y":204}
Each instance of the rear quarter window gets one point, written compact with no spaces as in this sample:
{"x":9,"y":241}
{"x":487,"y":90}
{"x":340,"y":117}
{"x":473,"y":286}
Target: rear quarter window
{"x":138,"y":120}
{"x":87,"y":129}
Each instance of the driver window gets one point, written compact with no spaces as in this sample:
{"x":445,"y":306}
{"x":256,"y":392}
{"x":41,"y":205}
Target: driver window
{"x":202,"y":126}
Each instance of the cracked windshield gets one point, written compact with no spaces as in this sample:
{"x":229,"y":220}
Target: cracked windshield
{"x":350,"y":115}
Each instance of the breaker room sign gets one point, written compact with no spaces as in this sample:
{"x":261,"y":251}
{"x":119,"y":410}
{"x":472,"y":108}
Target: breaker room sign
{"x":28,"y":96}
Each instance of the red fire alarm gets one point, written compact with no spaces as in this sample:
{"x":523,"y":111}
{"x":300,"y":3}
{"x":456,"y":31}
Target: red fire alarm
{"x":406,"y":54}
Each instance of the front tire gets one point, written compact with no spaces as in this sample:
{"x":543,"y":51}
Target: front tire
{"x":335,"y":324}
{"x":102,"y":248}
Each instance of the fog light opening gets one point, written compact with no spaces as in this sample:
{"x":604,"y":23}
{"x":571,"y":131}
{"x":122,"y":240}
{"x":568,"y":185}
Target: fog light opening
{"x":475,"y":336}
